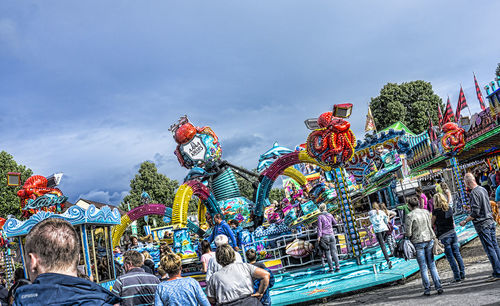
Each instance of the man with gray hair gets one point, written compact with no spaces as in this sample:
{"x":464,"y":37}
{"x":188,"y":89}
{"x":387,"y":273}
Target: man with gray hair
{"x":52,"y":251}
{"x":482,"y":217}
{"x":213,"y":266}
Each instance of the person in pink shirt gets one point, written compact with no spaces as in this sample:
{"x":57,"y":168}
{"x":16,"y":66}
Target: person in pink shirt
{"x":422,"y":198}
{"x":206,"y":250}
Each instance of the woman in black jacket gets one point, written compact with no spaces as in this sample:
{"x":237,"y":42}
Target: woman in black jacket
{"x":442,"y":218}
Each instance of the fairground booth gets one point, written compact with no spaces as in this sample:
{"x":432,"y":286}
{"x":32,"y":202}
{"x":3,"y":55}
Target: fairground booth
{"x":93,"y":225}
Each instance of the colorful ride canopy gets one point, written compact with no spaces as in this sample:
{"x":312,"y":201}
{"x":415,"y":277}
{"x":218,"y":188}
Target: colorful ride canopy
{"x":378,"y":152}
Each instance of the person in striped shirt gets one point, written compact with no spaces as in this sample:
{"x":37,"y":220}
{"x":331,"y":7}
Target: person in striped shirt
{"x":135,"y":287}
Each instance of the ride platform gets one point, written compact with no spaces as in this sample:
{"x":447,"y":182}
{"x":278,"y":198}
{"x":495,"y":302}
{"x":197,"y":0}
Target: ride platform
{"x":305,"y":285}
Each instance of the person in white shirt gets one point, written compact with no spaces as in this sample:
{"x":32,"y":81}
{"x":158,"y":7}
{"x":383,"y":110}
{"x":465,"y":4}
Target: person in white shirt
{"x":213,"y":266}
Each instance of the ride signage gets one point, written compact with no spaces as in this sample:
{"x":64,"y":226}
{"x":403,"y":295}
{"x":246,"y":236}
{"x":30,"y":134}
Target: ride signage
{"x":47,"y":200}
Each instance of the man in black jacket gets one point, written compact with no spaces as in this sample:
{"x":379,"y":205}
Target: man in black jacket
{"x":482,"y":217}
{"x":52,"y":251}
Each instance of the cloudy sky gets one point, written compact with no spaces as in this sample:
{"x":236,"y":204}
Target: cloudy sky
{"x":90,"y":88}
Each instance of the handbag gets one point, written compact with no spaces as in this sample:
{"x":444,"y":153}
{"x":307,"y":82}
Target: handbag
{"x":438,"y":247}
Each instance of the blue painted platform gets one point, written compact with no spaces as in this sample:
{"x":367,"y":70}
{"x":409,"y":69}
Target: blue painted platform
{"x":314,"y":283}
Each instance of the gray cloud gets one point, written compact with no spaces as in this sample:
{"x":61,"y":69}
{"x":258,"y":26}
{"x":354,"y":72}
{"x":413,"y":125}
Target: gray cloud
{"x":90,"y":90}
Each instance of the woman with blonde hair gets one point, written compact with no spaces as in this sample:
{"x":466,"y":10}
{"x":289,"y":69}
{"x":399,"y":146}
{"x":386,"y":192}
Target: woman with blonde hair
{"x":178,"y":290}
{"x":442,"y":217}
{"x":379,"y":221}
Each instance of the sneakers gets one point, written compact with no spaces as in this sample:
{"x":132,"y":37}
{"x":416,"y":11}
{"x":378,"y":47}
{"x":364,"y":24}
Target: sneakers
{"x":337,"y":269}
{"x":455,"y":281}
{"x":440,"y":291}
{"x":427,"y":292}
{"x":492,"y":279}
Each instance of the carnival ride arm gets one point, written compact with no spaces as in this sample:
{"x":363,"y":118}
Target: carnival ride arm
{"x":264,"y":276}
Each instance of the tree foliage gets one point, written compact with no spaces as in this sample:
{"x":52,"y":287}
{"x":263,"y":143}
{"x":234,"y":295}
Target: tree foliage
{"x":411,"y":103}
{"x":9,"y":201}
{"x":160,"y":188}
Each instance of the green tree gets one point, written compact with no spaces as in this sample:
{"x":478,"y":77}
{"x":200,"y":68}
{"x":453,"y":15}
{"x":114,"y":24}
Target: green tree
{"x":160,"y":188}
{"x":9,"y":201}
{"x":411,"y":103}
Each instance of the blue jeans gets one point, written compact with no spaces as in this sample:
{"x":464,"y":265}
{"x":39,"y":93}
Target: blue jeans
{"x":490,"y":246}
{"x":425,"y":260}
{"x":330,"y":240}
{"x":452,"y":252}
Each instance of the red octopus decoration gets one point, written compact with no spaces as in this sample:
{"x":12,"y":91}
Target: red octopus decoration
{"x":34,"y":187}
{"x":453,"y":140}
{"x":333,"y":143}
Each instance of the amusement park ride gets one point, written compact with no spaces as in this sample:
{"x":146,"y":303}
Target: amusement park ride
{"x":344,"y":168}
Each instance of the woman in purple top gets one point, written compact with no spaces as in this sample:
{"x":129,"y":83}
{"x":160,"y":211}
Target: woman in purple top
{"x":326,"y":237}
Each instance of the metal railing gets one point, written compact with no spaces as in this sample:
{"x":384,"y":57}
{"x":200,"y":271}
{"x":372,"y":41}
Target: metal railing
{"x":274,"y":249}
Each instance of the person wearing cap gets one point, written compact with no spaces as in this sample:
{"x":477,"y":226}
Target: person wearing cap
{"x":213,"y":266}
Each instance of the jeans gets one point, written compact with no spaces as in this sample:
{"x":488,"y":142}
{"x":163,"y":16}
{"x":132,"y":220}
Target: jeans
{"x":330,"y":240}
{"x":452,"y":252}
{"x":381,"y":241}
{"x":425,"y":260}
{"x":490,"y":246}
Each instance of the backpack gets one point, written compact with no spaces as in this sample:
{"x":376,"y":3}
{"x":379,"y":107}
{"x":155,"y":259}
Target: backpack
{"x":405,"y":249}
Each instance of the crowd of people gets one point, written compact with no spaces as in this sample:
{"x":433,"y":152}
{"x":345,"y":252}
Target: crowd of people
{"x":53,"y":248}
{"x":429,"y":220}
{"x":52,"y":251}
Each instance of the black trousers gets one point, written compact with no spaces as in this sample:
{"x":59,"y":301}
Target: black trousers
{"x":381,"y":241}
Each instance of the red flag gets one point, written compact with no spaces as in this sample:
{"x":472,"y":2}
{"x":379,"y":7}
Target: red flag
{"x":479,"y":94}
{"x":440,"y":116}
{"x":431,"y":132}
{"x":448,"y":113}
{"x":462,"y":103}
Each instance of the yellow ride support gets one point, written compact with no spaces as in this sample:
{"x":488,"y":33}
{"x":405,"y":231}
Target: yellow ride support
{"x":303,"y":157}
{"x":296,"y":175}
{"x":119,"y":229}
{"x":180,"y":206}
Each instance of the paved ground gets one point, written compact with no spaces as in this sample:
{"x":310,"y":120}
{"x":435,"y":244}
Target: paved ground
{"x":473,"y":291}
